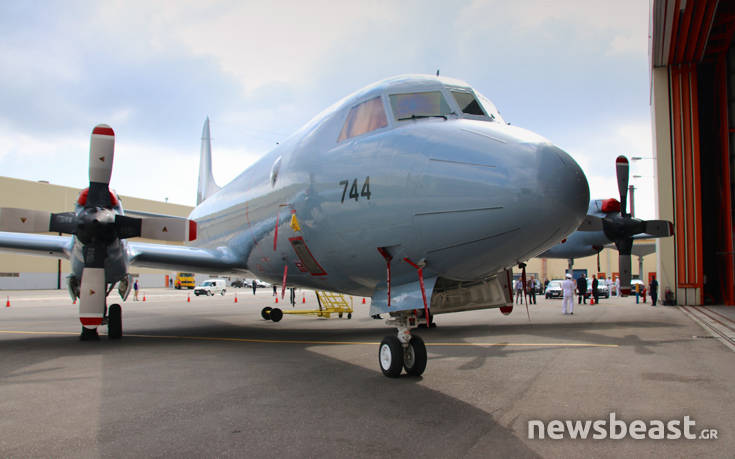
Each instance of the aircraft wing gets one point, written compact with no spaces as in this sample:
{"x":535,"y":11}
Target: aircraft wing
{"x":176,"y":257}
{"x":36,"y":244}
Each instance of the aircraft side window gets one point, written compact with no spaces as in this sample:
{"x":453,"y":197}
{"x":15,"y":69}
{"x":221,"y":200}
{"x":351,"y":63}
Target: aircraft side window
{"x":419,"y":105}
{"x":467,"y":103}
{"x":365,"y":117}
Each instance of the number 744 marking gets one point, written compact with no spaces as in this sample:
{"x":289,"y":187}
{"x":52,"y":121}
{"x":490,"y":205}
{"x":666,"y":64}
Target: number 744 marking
{"x":364,"y":192}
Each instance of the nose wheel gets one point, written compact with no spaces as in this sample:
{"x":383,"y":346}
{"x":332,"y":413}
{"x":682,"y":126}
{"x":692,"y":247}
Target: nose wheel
{"x":402,"y":351}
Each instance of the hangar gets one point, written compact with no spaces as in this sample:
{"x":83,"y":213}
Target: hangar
{"x":693,"y":118}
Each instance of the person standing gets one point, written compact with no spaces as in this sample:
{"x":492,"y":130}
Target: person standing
{"x":255,"y":286}
{"x":653,"y":290}
{"x":595,"y":292}
{"x":519,"y":292}
{"x":135,"y":289}
{"x":532,"y":291}
{"x":617,"y":286}
{"x":608,"y":283}
{"x":568,"y":299}
{"x":582,"y":289}
{"x":275,"y":292}
{"x":293,"y":297}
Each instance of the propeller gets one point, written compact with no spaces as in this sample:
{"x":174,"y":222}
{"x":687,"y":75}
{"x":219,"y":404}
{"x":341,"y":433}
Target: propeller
{"x":98,"y":225}
{"x":621,"y":227}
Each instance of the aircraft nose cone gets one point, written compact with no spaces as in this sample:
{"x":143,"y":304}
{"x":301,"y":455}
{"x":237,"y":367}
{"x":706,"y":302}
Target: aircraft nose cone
{"x":565,"y":185}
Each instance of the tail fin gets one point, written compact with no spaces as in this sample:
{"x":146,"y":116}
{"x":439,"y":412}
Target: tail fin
{"x":207,"y":186}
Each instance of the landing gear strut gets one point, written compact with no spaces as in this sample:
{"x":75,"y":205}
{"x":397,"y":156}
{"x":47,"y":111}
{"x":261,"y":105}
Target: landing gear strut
{"x":403,"y":350}
{"x":89,"y":334}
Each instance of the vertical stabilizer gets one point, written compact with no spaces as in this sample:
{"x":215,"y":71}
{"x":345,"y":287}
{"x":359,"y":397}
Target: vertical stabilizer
{"x":207,"y":187}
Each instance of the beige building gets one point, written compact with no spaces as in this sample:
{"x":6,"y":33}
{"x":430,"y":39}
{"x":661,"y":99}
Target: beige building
{"x":552,"y":268}
{"x":19,"y":271}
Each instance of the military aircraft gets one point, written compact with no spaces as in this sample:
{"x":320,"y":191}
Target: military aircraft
{"x":412,"y":191}
{"x":608,"y":222}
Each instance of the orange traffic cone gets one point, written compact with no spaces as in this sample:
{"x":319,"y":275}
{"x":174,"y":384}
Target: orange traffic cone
{"x":276,"y":299}
{"x":235,"y":297}
{"x":363,"y":300}
{"x":74,"y":302}
{"x":7,"y":303}
{"x":592,"y":300}
{"x":188,"y":298}
{"x":303,"y":299}
{"x":143,"y":297}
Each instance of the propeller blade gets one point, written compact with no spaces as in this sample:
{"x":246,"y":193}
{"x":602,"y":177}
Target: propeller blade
{"x":621,"y":170}
{"x":24,"y":220}
{"x":159,"y":228}
{"x":101,"y":155}
{"x":591,"y":223}
{"x":659,"y":228}
{"x":92,"y":297}
{"x":65,"y":222}
{"x":624,"y":268}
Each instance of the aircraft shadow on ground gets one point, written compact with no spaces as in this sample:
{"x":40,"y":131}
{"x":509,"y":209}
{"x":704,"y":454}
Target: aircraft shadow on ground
{"x":185,"y":397}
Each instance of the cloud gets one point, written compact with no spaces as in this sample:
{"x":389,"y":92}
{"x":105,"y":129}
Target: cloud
{"x":575,"y":72}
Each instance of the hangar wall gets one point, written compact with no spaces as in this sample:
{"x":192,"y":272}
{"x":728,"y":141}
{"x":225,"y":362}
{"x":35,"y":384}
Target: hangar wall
{"x":20,"y":271}
{"x":692,"y":113}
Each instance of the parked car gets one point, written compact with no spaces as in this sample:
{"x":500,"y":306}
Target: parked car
{"x":210,"y":287}
{"x":554,"y":290}
{"x":237,"y":283}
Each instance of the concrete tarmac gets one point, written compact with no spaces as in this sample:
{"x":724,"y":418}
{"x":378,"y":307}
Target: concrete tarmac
{"x":210,"y":377}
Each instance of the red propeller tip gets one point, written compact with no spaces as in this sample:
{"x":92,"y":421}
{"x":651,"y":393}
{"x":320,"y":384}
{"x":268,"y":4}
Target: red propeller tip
{"x":103,"y":129}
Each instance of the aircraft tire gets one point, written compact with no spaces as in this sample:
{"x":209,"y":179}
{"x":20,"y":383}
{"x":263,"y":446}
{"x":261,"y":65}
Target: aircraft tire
{"x":390,"y":356}
{"x":223,"y":292}
{"x":349,"y":315}
{"x":414,"y":360}
{"x":340,"y":315}
{"x":276,"y":314}
{"x":265,"y":313}
{"x":114,"y":322}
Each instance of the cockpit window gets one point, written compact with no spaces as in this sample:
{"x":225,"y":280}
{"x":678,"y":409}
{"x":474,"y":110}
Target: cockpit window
{"x":489,"y":107}
{"x":467,"y":103}
{"x":419,"y":105}
{"x":365,"y":117}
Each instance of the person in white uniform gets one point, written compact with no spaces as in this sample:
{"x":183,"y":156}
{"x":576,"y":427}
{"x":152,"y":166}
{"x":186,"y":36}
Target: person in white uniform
{"x":567,"y":288}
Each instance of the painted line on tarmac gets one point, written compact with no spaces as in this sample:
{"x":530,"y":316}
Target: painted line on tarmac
{"x":300,"y":341}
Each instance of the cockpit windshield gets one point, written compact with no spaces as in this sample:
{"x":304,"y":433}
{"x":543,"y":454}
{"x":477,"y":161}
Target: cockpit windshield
{"x":467,"y":103}
{"x":419,"y":105}
{"x":489,"y":107}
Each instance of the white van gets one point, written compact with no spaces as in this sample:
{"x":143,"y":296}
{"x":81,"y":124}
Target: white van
{"x":210,"y":287}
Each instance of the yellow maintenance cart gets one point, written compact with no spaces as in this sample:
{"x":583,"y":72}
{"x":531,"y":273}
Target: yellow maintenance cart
{"x":329,"y":303}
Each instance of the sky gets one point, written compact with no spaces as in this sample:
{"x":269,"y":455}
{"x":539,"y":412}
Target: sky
{"x":575,"y":72}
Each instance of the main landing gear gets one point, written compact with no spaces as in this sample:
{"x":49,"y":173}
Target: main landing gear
{"x":402,"y":350}
{"x":274,"y":314}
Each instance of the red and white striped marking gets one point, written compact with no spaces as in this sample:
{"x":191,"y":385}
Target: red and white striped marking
{"x":101,"y":153}
{"x":92,"y":297}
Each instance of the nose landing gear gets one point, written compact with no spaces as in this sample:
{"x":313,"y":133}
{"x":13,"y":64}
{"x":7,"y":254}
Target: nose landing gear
{"x":402,"y":351}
